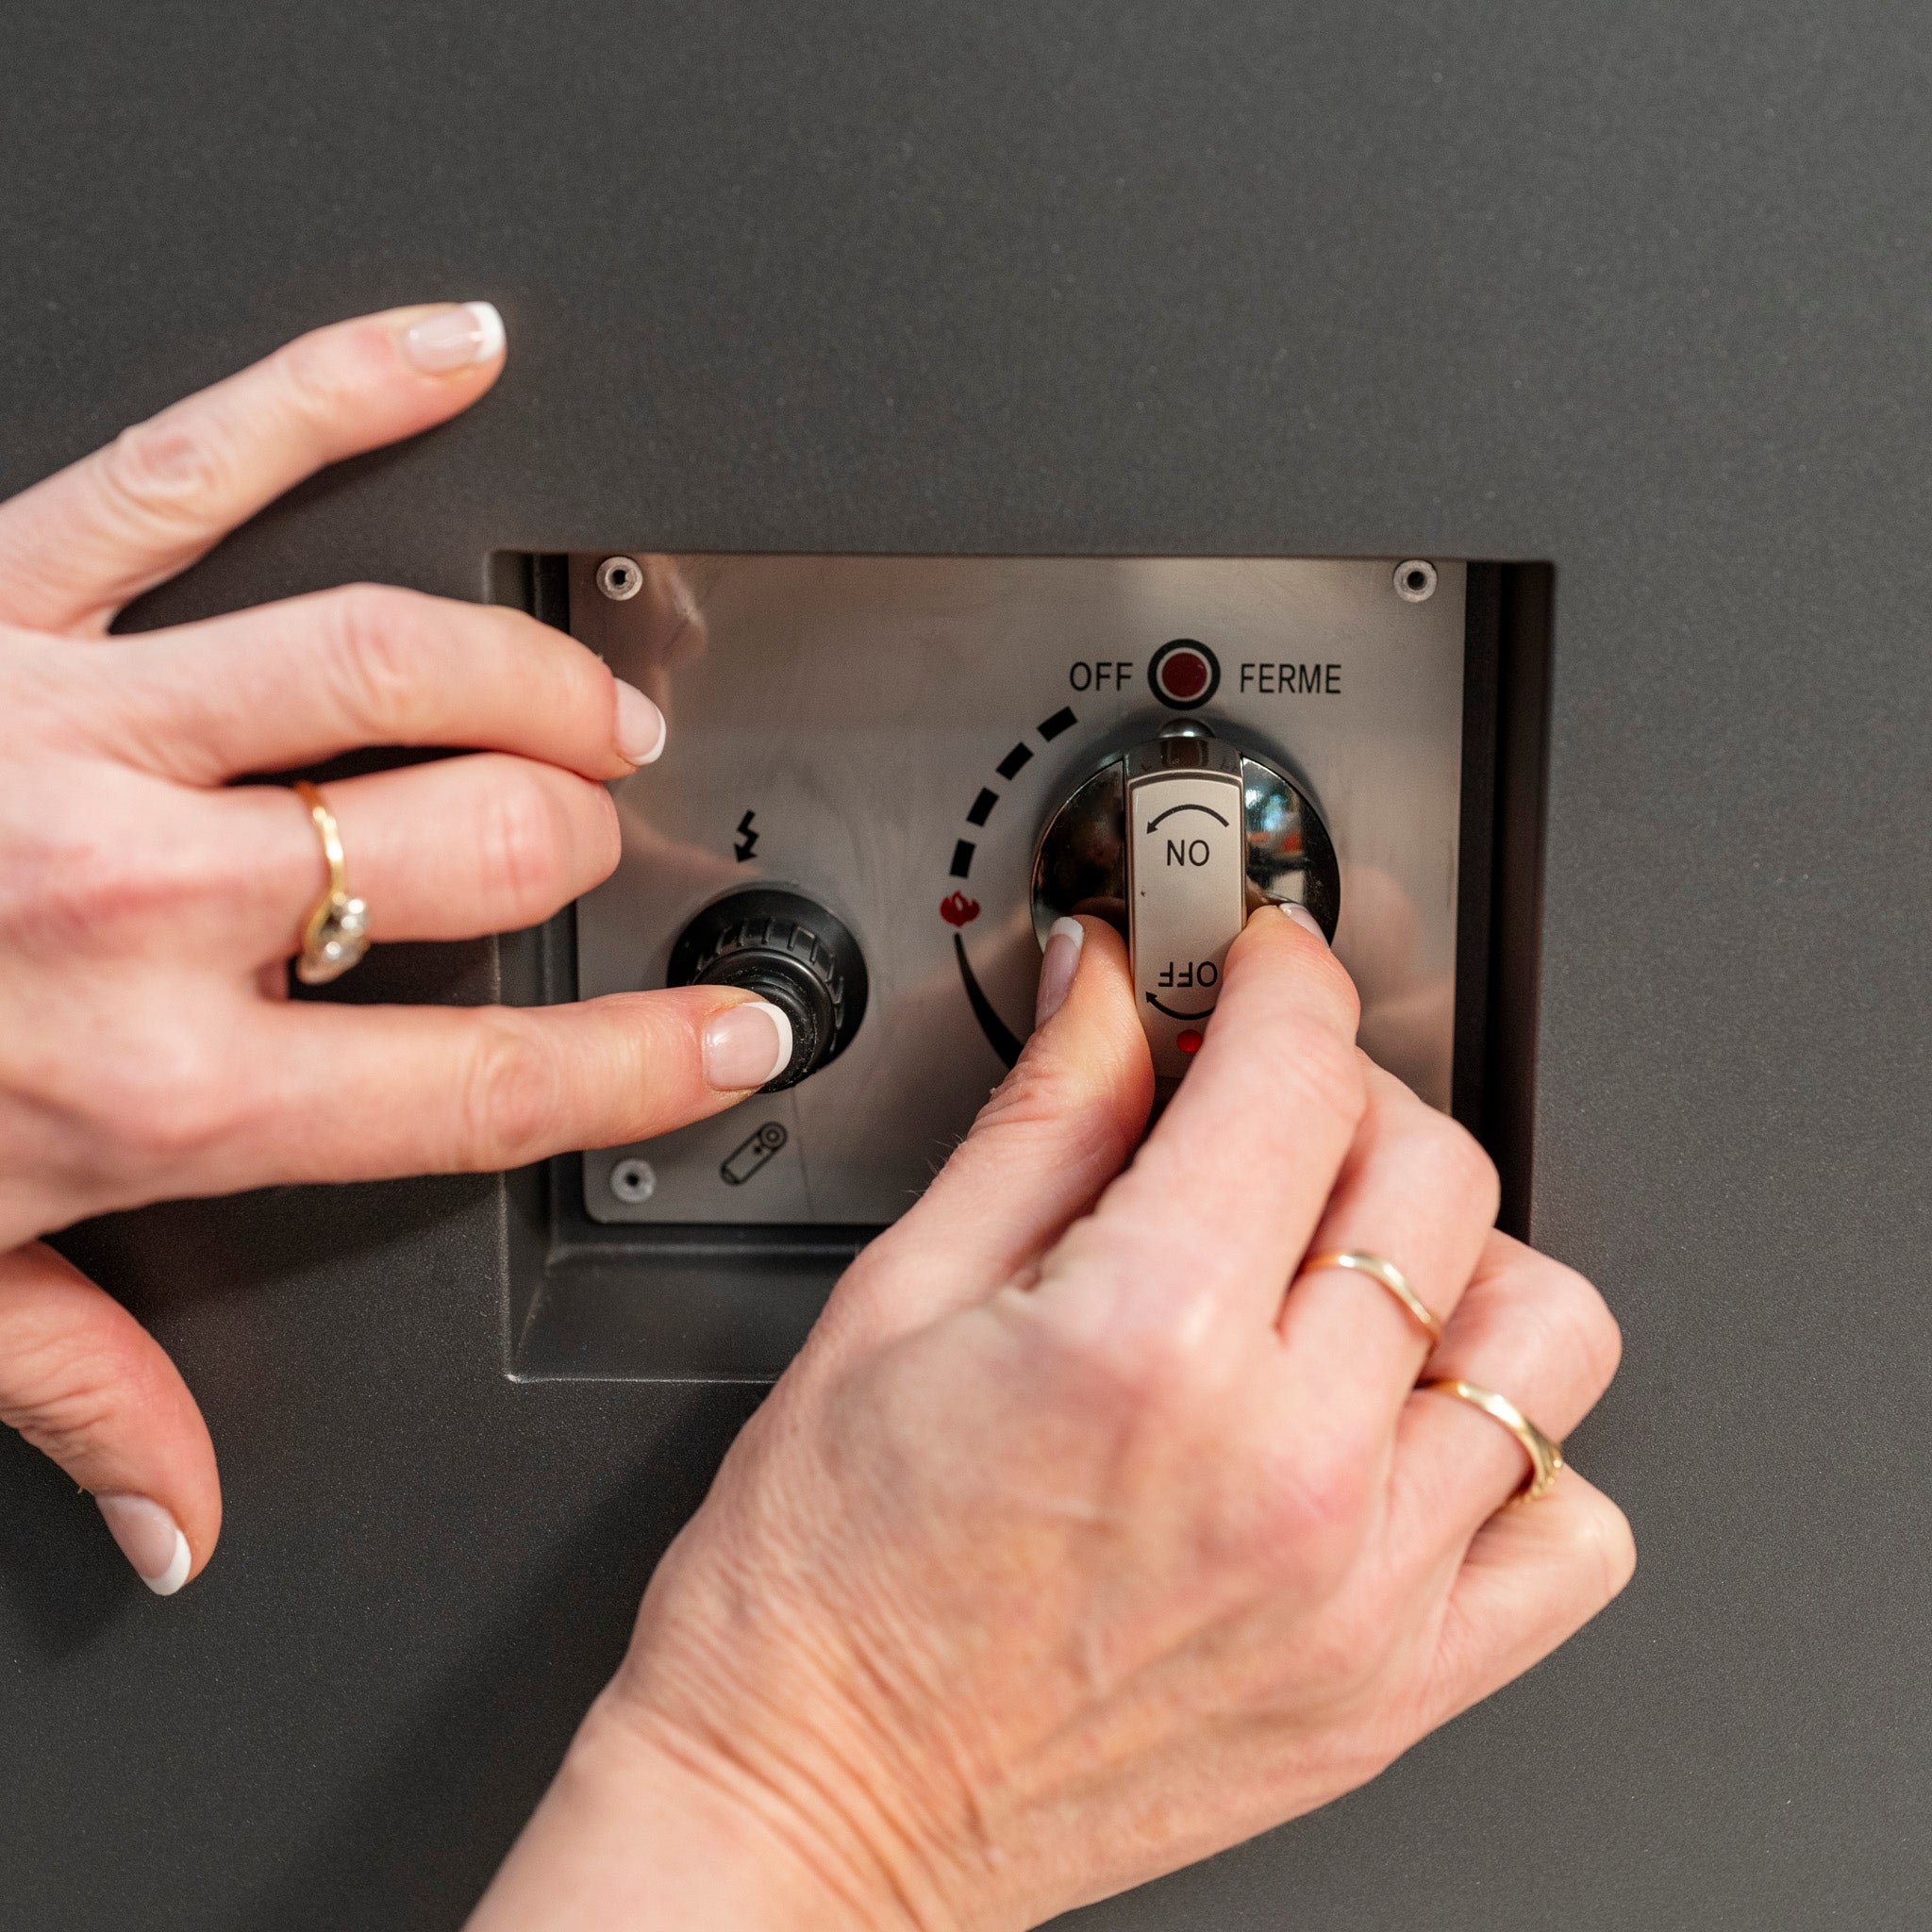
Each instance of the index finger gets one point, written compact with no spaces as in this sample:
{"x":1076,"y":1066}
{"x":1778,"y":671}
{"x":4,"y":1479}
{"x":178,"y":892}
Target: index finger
{"x":1221,"y":1202}
{"x":77,"y":547}
{"x":342,"y":1092}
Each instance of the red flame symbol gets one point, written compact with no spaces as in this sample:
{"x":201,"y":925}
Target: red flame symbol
{"x":959,"y":909}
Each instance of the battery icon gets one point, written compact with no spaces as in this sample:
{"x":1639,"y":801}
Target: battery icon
{"x":750,"y":1155}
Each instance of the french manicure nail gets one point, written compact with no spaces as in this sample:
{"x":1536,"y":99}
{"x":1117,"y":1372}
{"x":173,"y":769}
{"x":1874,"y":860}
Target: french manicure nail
{"x":150,"y":1539}
{"x":1064,"y":938}
{"x":641,"y":727}
{"x":459,"y":337}
{"x":746,"y":1045}
{"x":1306,"y":920}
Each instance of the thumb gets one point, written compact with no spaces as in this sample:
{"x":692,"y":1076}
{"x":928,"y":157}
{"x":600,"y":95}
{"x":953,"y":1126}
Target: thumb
{"x":83,"y":1381}
{"x":1057,"y":1130}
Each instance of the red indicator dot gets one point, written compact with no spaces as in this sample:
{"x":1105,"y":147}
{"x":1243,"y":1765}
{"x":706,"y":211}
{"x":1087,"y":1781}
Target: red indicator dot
{"x":1184,"y":675}
{"x":1188,"y":1042}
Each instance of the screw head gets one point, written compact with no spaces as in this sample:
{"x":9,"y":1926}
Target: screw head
{"x":1415,"y":580}
{"x":620,"y":578}
{"x":633,"y":1182}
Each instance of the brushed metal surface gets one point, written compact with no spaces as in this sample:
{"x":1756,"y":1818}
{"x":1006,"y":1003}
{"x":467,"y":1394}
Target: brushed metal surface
{"x":890,"y":734}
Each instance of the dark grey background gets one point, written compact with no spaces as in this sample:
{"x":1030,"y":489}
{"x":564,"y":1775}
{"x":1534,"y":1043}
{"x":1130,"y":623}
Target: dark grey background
{"x":1641,"y":288}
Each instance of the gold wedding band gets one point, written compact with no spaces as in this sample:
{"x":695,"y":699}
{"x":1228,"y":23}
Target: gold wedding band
{"x":1391,"y":1276}
{"x":1546,"y":1456}
{"x":335,"y":933}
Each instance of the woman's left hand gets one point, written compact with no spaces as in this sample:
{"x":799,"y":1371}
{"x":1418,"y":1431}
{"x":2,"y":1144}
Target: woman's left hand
{"x":149,"y":907}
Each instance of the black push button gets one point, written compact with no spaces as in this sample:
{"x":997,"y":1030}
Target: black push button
{"x":787,"y":949}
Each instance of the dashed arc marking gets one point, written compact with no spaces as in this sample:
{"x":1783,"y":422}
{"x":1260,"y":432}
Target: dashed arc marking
{"x":999,"y":1036}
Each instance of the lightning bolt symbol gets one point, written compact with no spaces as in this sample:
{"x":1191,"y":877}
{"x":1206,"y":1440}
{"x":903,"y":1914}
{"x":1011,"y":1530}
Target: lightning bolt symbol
{"x":748,"y":840}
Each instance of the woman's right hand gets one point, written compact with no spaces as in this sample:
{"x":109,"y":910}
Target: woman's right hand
{"x":149,"y":907}
{"x":1095,"y":1530}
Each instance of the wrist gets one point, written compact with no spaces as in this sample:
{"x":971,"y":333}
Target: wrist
{"x":643,"y":1828}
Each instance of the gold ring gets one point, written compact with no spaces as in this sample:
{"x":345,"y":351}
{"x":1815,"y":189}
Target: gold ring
{"x":335,"y":933}
{"x":1546,"y":1456}
{"x":1392,"y":1277}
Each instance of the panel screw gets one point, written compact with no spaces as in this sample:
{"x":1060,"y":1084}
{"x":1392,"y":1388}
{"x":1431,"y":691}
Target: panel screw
{"x":1415,"y":581}
{"x":633,"y":1182}
{"x":620,"y":578}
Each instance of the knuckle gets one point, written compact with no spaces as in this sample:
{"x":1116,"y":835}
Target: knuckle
{"x":574,"y":681}
{"x":95,"y":901}
{"x":78,"y":890}
{"x":1299,"y":1523}
{"x":1327,"y":1070}
{"x":1321,"y":1491}
{"x":1323,"y":987}
{"x":1339,"y":989}
{"x":1585,"y":1328}
{"x":525,"y":838}
{"x":1120,"y":1373}
{"x":509,"y":1099}
{"x":1605,"y":1543}
{"x":1145,"y":1356}
{"x":156,"y":1092}
{"x":1050,"y":1099}
{"x":1475,"y":1170}
{"x":1451,"y":1161}
{"x":379,"y":649}
{"x":606,"y":842}
{"x":1113,"y":1372}
{"x":171,"y":1103}
{"x":172,"y":471}
{"x":1561,"y":1319}
{"x":79,"y":1379}
{"x":311,"y":374}
{"x":70,"y":1399}
{"x":132,"y":855}
{"x":1359,"y":1646}
{"x":1035,"y":1091}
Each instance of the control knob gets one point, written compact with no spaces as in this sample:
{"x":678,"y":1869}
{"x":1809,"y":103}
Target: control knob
{"x":1176,"y":842}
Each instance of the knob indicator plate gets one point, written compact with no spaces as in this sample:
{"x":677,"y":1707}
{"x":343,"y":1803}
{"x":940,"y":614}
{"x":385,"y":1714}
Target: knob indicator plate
{"x":1175,"y":842}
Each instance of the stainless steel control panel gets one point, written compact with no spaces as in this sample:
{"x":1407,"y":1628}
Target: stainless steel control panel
{"x":888,"y":737}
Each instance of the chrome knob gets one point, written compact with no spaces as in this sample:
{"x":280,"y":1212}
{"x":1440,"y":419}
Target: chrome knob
{"x":788,"y":949}
{"x":1175,"y":842}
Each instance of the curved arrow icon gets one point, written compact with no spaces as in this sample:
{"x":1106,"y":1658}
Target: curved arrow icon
{"x":1173,"y":1015}
{"x":1172,"y":808}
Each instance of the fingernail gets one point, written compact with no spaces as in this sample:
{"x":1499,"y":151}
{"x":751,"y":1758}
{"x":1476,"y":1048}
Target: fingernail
{"x":1064,"y":938}
{"x":746,"y":1045}
{"x":641,"y":727}
{"x":1307,"y":921}
{"x":150,"y":1539}
{"x":456,"y":338}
